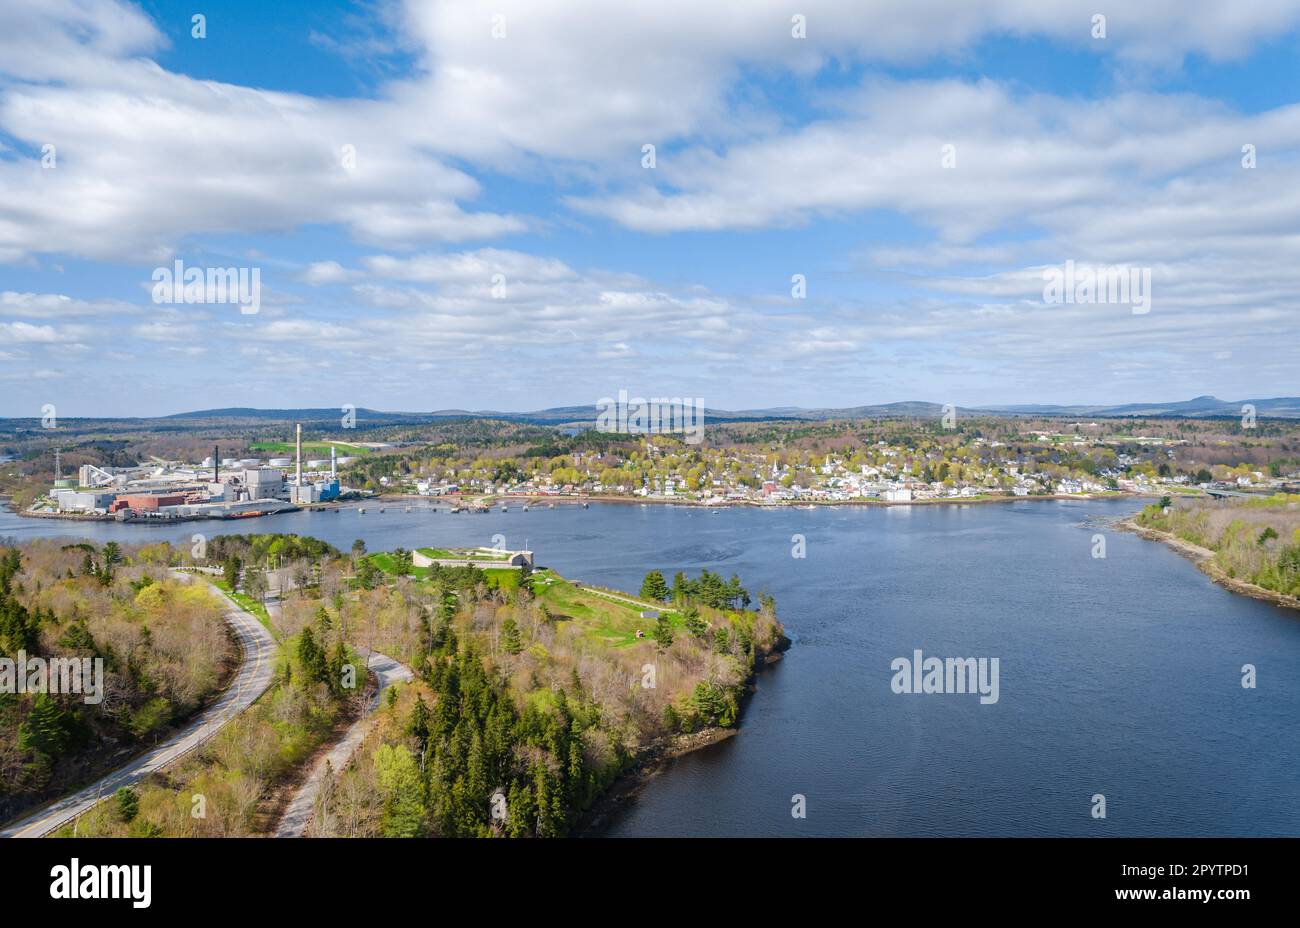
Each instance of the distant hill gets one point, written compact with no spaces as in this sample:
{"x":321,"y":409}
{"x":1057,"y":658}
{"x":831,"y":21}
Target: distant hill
{"x":1201,"y":407}
{"x":1285,"y":407}
{"x":330,"y":414}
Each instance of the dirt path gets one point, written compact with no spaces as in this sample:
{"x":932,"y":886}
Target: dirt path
{"x":298,"y":814}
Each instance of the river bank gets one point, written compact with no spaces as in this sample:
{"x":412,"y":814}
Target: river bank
{"x":658,"y":758}
{"x":467,"y":499}
{"x":547,"y":501}
{"x":1203,"y":558}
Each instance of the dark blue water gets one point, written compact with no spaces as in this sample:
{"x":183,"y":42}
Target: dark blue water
{"x":1118,"y":676}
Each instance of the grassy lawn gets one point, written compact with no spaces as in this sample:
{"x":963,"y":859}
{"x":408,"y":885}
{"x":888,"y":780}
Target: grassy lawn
{"x":501,"y":578}
{"x":606,"y":620}
{"x":386,"y":564}
{"x":248,"y":604}
{"x":467,"y":554}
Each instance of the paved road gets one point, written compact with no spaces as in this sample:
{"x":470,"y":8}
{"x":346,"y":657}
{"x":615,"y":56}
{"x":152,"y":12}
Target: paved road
{"x":252,"y":680}
{"x":293,"y":824}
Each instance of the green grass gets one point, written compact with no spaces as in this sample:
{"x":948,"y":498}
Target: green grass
{"x":388,"y":564}
{"x":605,"y":620}
{"x":502,"y":578}
{"x":464,"y":554}
{"x":248,"y":604}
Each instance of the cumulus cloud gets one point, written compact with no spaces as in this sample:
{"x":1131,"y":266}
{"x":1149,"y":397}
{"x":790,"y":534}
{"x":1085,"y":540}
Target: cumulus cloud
{"x":149,"y":161}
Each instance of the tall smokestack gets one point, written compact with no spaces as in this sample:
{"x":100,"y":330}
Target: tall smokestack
{"x":298,"y":481}
{"x":333,"y":469}
{"x":216,"y":463}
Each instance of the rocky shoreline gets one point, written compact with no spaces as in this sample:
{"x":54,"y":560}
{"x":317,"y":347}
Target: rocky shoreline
{"x":1203,"y":558}
{"x":659,"y":757}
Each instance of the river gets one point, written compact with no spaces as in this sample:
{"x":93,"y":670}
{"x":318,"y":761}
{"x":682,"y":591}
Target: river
{"x":1119,"y":676}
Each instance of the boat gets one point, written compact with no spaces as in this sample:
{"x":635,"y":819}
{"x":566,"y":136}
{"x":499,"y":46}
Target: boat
{"x":246,"y":515}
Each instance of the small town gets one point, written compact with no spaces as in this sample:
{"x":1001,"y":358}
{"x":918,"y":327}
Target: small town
{"x":1070,"y":462}
{"x":659,"y":469}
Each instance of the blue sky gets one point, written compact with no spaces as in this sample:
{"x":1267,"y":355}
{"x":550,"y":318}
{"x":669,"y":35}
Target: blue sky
{"x":496,"y":242}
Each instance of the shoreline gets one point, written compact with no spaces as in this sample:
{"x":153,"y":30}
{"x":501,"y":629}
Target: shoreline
{"x":1203,"y":558}
{"x":658,"y":757}
{"x":529,"y":499}
{"x":534,"y":500}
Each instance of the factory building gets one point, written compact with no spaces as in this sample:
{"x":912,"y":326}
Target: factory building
{"x":219,"y":488}
{"x":74,"y":500}
{"x":144,"y":502}
{"x":263,"y":483}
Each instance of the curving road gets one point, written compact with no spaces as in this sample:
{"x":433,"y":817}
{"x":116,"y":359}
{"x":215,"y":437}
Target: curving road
{"x":252,"y":680}
{"x":293,"y":824}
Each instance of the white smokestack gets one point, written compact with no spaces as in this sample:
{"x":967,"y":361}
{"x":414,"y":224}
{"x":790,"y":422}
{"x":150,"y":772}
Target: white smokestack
{"x":333,"y":471}
{"x":298,"y":481}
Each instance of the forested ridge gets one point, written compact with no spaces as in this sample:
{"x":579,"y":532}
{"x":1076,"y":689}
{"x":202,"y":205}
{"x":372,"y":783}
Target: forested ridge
{"x":163,"y":645}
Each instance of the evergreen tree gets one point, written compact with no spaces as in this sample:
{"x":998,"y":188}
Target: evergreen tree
{"x":312,"y":657}
{"x":664,"y":632}
{"x":695,"y":623}
{"x":521,"y":811}
{"x":418,"y":722}
{"x":128,"y":804}
{"x":18,"y":627}
{"x":510,"y":642}
{"x":230,"y":571}
{"x":47,"y":728}
{"x":334,"y":668}
{"x":681,"y":587}
{"x":654,"y":587}
{"x":543,"y":787}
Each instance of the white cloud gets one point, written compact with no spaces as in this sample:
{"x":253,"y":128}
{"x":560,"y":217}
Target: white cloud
{"x":25,"y":332}
{"x":56,"y":305}
{"x":149,"y":159}
{"x":327,"y":272}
